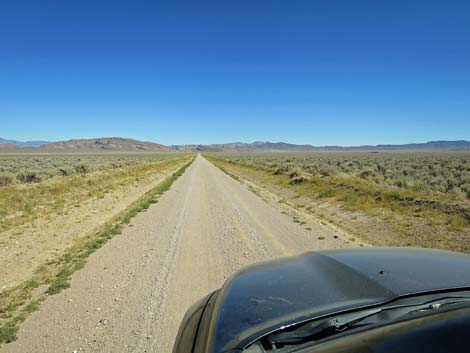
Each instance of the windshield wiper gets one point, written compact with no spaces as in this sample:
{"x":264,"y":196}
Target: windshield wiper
{"x":437,"y":304}
{"x":316,"y":330}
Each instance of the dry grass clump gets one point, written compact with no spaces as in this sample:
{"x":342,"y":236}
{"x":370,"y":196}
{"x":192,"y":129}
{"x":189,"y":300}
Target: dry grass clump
{"x":297,"y":176}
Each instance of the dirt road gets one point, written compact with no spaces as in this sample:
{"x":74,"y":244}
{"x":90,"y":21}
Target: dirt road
{"x":133,"y":292}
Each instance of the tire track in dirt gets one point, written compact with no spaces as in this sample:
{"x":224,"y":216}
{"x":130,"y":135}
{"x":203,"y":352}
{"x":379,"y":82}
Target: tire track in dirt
{"x":133,"y":292}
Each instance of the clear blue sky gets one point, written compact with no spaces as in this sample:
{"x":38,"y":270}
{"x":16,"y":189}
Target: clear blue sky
{"x":314,"y":71}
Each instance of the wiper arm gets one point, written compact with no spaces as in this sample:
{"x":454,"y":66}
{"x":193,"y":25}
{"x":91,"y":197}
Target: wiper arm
{"x":436,"y":304}
{"x":315,"y":330}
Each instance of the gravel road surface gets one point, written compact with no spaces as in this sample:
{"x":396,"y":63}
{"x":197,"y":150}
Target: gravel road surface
{"x":133,"y":292}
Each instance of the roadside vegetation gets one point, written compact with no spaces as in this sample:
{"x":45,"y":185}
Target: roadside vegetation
{"x":18,"y":168}
{"x":419,"y":199}
{"x":52,"y":277}
{"x":29,"y":197}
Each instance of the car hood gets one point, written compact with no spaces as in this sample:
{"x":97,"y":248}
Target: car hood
{"x":264,"y":297}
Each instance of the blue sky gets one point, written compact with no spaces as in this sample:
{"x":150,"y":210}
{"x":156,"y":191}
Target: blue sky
{"x":319,"y":72}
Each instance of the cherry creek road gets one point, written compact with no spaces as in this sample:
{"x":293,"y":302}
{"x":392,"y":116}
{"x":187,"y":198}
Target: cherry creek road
{"x":134,"y":291}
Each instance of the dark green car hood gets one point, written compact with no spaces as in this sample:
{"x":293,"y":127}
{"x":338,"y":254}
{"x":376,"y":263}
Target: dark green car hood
{"x":264,"y":297}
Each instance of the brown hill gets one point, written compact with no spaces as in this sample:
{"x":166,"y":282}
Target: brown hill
{"x":102,"y":144}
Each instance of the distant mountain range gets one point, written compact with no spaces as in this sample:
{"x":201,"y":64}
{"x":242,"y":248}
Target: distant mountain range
{"x":125,"y":144}
{"x":241,"y":146}
{"x":22,"y":144}
{"x":282,"y":146}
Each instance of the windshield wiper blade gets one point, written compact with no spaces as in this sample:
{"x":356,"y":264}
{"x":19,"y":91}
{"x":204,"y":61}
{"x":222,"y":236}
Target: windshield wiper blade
{"x":436,"y":304}
{"x":315,"y":330}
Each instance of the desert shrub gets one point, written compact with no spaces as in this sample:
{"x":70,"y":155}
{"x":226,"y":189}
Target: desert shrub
{"x":29,"y":177}
{"x":297,"y":176}
{"x":466,"y":189}
{"x":366,"y":173}
{"x":82,"y":168}
{"x":295,"y":173}
{"x":324,"y":171}
{"x":6,"y":178}
{"x":298,"y":180}
{"x":279,"y":171}
{"x":65,"y":171}
{"x":459,"y":193}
